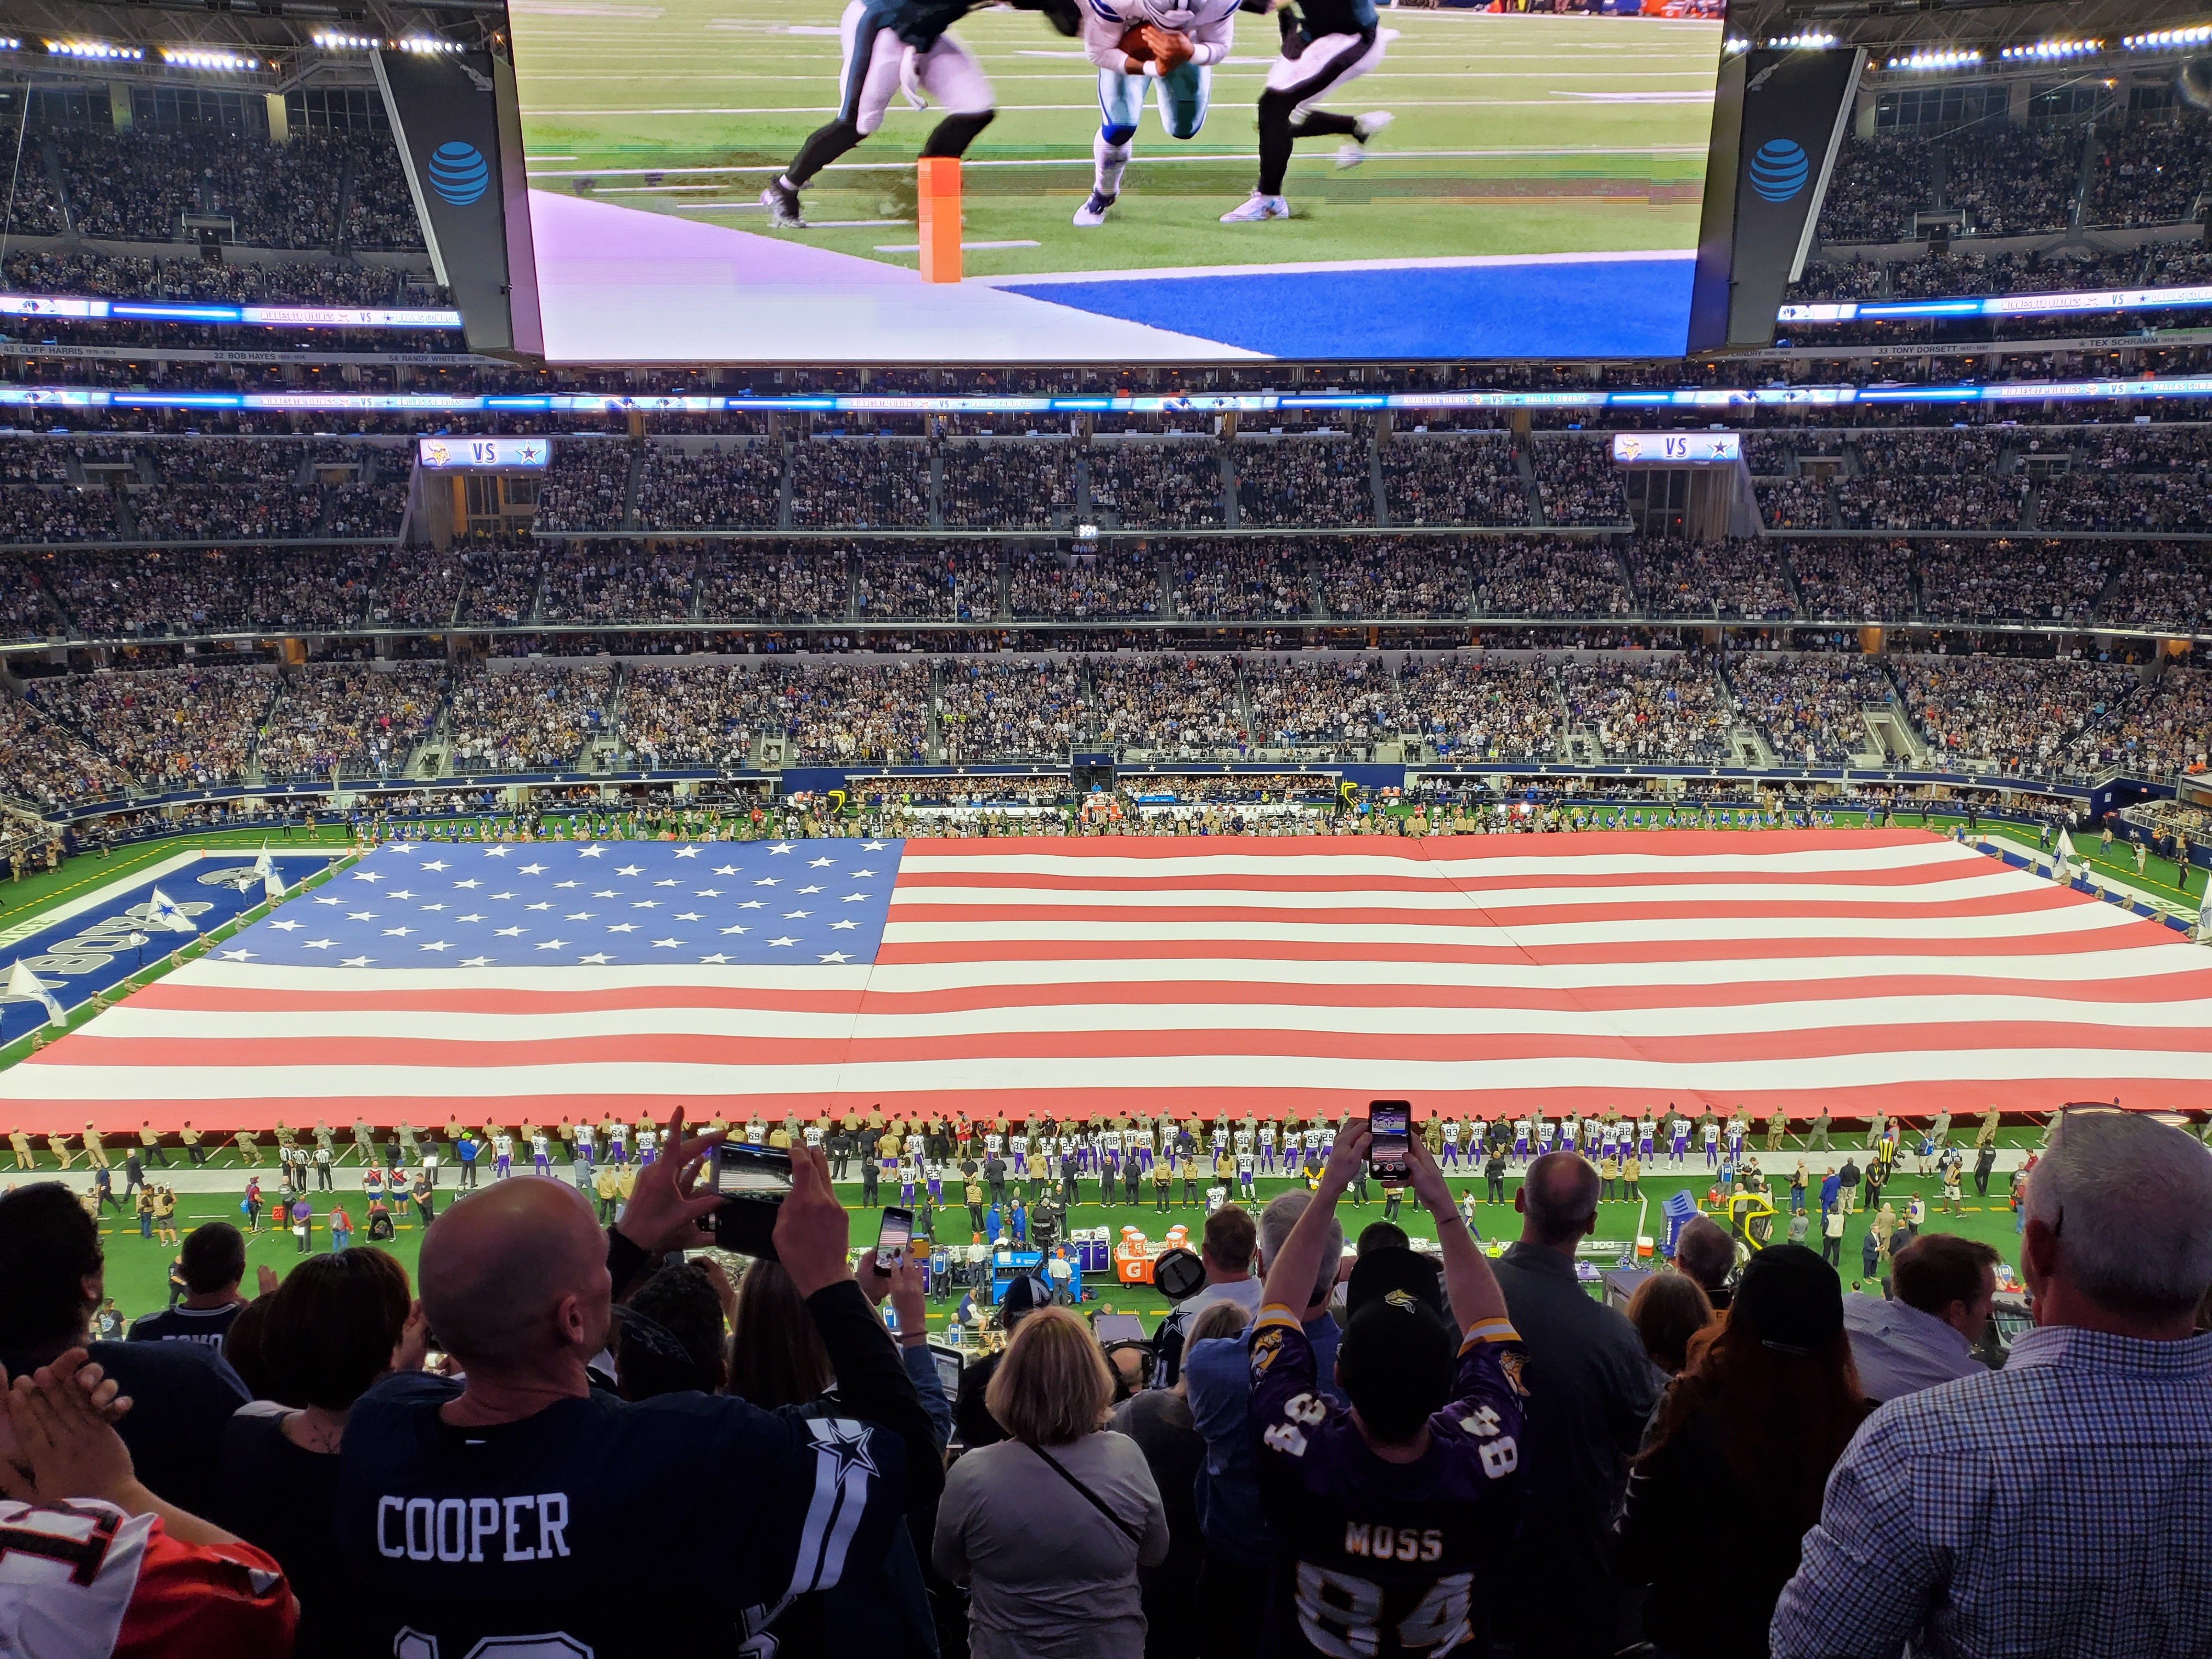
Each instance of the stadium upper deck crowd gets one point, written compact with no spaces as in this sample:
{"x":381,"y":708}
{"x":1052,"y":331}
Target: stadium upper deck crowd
{"x":596,"y":1403}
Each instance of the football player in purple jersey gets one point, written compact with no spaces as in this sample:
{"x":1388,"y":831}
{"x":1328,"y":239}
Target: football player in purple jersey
{"x":1385,"y":1508}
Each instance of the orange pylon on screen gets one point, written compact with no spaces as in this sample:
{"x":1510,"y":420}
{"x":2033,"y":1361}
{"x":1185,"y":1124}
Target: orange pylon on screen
{"x":938,"y":179}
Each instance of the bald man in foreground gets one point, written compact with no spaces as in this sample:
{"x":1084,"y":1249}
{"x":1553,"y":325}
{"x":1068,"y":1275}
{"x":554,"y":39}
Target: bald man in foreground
{"x":521,"y":1504}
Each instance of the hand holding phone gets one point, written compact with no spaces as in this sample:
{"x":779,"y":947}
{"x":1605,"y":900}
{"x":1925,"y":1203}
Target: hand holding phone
{"x":892,"y":1236}
{"x":1388,"y":1123}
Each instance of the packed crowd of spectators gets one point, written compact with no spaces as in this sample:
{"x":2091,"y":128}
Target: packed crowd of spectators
{"x":1165,"y":701}
{"x":854,"y":714}
{"x":616,"y":582}
{"x":2150,"y":172}
{"x":2164,"y":585}
{"x":1853,"y":581}
{"x":2168,"y":729}
{"x":1171,"y":485}
{"x":1332,"y":703}
{"x":2014,"y":713}
{"x":166,"y":728}
{"x":2013,"y":581}
{"x":1734,"y":579}
{"x":942,"y":584}
{"x":501,"y":581}
{"x":1810,"y":706}
{"x":1875,"y":188}
{"x":806,"y":582}
{"x":1668,"y":708}
{"x":2132,"y":479}
{"x":526,"y":719}
{"x":699,"y":715}
{"x":1930,"y":480}
{"x":1361,"y":579}
{"x":987,"y":710}
{"x":360,"y":720}
{"x":2010,"y":180}
{"x":1550,"y":579}
{"x":1468,"y":479}
{"x":1483,"y":708}
{"x":1796,"y":503}
{"x":1112,"y":585}
{"x":37,"y":514}
{"x":134,"y":187}
{"x":249,"y":282}
{"x":1578,"y":481}
{"x":1007,"y":484}
{"x":416,"y":587}
{"x":1255,"y":580}
{"x":740,"y":488}
{"x":859,"y":483}
{"x":1304,"y":481}
{"x":587,"y":483}
{"x":46,"y":764}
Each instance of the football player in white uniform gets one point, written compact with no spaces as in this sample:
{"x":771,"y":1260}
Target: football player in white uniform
{"x":1181,"y":40}
{"x":1326,"y":43}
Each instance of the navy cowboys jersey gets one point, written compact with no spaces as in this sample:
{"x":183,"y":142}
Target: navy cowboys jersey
{"x":1378,"y":1560}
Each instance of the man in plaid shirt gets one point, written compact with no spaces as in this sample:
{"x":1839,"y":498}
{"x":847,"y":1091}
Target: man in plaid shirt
{"x":2063,"y":1505}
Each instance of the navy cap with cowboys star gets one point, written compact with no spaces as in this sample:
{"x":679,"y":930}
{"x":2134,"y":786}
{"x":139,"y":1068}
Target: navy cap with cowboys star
{"x":460,"y":904}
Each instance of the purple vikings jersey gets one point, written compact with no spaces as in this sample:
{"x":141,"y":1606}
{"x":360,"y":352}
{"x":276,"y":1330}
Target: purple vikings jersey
{"x":1378,"y":1560}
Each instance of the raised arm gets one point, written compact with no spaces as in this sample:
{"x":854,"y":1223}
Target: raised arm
{"x":1473,"y":1288}
{"x":1297,"y":1266}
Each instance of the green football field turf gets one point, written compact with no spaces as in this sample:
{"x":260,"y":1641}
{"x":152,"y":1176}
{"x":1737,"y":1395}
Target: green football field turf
{"x":1514,"y":135}
{"x":137,"y":1270}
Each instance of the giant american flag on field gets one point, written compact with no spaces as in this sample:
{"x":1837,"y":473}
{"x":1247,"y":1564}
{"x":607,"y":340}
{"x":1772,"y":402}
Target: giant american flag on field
{"x":1844,"y":969}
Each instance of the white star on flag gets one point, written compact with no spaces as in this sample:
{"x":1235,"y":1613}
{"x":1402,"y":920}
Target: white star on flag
{"x":840,"y":927}
{"x":666,"y":944}
{"x":398,"y":932}
{"x":596,"y":957}
{"x":436,"y":864}
{"x":819,"y":863}
{"x":554,"y":945}
{"x":471,"y":882}
{"x":435,"y":945}
{"x":873,"y":847}
{"x":630,"y":869}
{"x":623,"y":927}
{"x":286,"y":926}
{"x":356,"y":962}
{"x":591,"y":852}
{"x":739,"y":928}
{"x":797,"y":915}
{"x":836,"y":956}
{"x":781,"y":846}
{"x":726,"y":869}
{"x":687,"y":852}
{"x":475,"y":961}
{"x":507,"y":933}
{"x":236,"y":956}
{"x":368,"y":875}
{"x":810,"y":890}
{"x":787,"y":939}
{"x":319,"y":944}
{"x":531,"y":870}
{"x":717,"y":957}
{"x":495,"y":852}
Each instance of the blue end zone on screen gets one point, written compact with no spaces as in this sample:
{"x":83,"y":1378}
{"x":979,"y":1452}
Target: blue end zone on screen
{"x":1604,"y":308}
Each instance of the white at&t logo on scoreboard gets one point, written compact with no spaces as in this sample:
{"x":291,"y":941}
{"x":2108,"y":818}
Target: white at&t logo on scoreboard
{"x":1677,"y":448}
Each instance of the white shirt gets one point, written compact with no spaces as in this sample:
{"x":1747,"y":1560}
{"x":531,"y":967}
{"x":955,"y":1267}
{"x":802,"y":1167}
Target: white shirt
{"x":503,"y":1145}
{"x":1899,"y":1350}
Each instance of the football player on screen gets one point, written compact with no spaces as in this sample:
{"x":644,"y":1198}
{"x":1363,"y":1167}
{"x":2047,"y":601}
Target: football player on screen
{"x":900,"y":45}
{"x":1139,"y":44}
{"x":1334,"y":41}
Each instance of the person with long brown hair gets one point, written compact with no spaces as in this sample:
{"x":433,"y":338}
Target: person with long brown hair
{"x":1721,"y":1498}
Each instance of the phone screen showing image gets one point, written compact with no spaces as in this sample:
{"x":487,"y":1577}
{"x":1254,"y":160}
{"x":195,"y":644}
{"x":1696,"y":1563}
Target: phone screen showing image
{"x":1388,"y":1122}
{"x":892,"y":1237}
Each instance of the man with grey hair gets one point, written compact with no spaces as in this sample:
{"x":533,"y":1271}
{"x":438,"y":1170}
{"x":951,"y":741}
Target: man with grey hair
{"x":1218,"y":1381}
{"x":2059,"y":1506}
{"x":1590,"y":1389}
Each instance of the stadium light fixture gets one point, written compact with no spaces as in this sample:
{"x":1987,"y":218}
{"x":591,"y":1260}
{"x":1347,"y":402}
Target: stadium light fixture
{"x":1735,"y":44}
{"x":2168,"y":39}
{"x":197,"y":58}
{"x":9,"y":42}
{"x":98,"y":50}
{"x":1942,"y":58}
{"x":1809,"y":40}
{"x":2047,"y":51}
{"x":332,"y":40}
{"x":426,"y":45}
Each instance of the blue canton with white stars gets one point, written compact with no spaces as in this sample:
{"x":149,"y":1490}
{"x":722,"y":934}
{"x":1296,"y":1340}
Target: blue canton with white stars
{"x":607,"y":904}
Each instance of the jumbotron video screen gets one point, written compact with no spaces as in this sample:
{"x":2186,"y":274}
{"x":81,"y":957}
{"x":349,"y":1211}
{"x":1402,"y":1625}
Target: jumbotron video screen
{"x":1137,"y":180}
